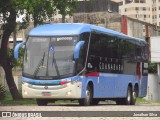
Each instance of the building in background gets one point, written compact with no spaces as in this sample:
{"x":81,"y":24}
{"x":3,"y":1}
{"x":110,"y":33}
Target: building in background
{"x":96,"y":6}
{"x":156,"y":12}
{"x":144,"y":10}
{"x":57,"y":18}
{"x":98,"y":12}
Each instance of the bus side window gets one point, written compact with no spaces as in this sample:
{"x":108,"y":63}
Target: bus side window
{"x":138,"y":53}
{"x":82,"y":55}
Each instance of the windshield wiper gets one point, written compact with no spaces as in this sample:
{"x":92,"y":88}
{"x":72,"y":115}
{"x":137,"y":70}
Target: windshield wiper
{"x":38,"y":66}
{"x":54,"y":61}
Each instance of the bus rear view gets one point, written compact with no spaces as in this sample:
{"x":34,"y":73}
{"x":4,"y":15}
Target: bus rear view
{"x":59,"y":64}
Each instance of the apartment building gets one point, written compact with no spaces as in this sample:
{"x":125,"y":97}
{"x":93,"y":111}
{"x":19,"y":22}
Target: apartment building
{"x":144,"y":10}
{"x":156,"y":12}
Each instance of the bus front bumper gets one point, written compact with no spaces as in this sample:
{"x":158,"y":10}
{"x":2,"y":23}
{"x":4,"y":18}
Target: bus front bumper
{"x":67,"y":91}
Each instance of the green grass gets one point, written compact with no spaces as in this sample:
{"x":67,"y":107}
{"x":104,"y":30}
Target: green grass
{"x":9,"y":101}
{"x":143,"y":101}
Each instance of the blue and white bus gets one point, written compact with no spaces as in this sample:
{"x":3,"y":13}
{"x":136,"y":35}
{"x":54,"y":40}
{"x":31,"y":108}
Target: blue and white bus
{"x":83,"y":62}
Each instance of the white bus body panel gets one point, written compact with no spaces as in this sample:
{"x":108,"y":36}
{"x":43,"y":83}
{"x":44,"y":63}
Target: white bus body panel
{"x":66,"y":91}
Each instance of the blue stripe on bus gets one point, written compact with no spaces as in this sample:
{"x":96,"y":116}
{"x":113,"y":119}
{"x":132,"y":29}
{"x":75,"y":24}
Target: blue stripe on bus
{"x":48,"y":82}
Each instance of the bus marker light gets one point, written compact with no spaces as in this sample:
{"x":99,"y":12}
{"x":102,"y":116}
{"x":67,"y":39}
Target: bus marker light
{"x":64,"y":82}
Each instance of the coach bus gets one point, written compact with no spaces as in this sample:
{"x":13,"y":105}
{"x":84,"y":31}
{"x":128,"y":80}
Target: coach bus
{"x":88,"y":63}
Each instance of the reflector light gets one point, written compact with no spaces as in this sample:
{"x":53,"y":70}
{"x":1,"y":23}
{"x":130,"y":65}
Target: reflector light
{"x":64,"y":82}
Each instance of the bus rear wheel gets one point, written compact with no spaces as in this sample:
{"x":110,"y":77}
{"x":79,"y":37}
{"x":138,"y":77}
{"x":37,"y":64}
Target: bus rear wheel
{"x":41,"y":102}
{"x":127,"y":100}
{"x":134,"y":96}
{"x":88,"y":98}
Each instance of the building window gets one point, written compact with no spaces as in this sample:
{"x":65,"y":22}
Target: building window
{"x":138,"y":1}
{"x":128,"y":1}
{"x":144,"y":8}
{"x":154,"y":1}
{"x":142,"y":1}
{"x":137,"y":8}
{"x":144,"y":30}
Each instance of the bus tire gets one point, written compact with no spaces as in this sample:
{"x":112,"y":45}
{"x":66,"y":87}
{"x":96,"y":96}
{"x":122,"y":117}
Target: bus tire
{"x":134,"y":96}
{"x":119,"y":101}
{"x":127,"y":100}
{"x":41,"y":102}
{"x":94,"y":102}
{"x":88,"y":98}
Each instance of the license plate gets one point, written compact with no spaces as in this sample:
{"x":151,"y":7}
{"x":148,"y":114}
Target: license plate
{"x":46,"y":93}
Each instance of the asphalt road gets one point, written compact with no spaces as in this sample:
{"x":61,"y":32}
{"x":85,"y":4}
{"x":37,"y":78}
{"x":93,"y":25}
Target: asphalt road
{"x":75,"y":112}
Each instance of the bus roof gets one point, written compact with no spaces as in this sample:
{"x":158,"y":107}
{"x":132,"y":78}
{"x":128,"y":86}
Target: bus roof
{"x":63,"y":29}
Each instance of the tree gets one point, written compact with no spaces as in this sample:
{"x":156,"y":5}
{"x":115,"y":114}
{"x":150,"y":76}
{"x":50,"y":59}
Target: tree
{"x":36,"y":10}
{"x":65,"y":7}
{"x":9,"y":10}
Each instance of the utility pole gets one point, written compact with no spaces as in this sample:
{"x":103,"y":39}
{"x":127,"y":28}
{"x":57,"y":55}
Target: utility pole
{"x":148,"y":41}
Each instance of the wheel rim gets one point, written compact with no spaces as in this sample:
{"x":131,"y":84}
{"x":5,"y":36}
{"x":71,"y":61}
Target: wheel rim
{"x":87,"y":96}
{"x":134,"y":95}
{"x":129,"y":96}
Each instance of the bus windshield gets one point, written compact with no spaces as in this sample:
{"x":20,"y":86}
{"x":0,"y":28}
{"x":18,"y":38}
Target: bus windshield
{"x":49,"y":57}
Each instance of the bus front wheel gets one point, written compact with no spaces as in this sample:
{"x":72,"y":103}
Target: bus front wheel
{"x":88,"y":98}
{"x":41,"y":102}
{"x":134,"y":96}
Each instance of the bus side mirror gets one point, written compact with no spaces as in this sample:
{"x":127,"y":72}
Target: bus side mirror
{"x":77,"y":49}
{"x":16,"y":49}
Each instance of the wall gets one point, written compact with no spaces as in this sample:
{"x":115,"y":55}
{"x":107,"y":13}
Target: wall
{"x":137,"y":28}
{"x":104,"y":19}
{"x":86,"y":6}
{"x":153,"y":91}
{"x":17,"y":74}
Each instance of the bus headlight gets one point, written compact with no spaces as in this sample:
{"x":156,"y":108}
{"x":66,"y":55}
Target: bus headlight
{"x":25,"y":93}
{"x":27,"y":84}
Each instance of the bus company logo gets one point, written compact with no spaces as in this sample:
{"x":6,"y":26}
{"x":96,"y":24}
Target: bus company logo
{"x":46,"y":87}
{"x":6,"y":114}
